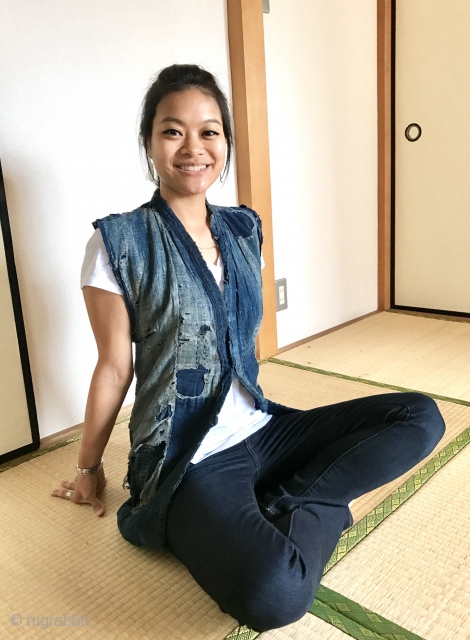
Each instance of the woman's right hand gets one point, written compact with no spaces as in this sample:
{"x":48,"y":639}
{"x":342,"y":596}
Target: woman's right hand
{"x":84,"y":490}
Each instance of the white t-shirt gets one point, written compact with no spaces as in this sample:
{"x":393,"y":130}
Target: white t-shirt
{"x":238,"y":418}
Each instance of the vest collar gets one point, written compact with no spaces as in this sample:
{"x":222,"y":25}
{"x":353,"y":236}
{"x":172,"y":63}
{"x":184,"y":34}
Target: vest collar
{"x":161,"y":206}
{"x":191,"y":255}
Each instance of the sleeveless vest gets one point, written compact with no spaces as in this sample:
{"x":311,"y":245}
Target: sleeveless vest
{"x":190,"y":339}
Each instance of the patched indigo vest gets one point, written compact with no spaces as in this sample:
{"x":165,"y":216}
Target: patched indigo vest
{"x":190,"y":339}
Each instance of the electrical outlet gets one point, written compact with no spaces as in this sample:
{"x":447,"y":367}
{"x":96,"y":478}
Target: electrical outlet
{"x":281,"y":294}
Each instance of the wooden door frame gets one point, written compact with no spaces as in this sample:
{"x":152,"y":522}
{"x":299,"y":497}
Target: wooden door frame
{"x":248,"y":77}
{"x":250,"y":117}
{"x":385,"y":150}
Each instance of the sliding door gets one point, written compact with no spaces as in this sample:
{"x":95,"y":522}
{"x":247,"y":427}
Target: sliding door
{"x":19,"y":430}
{"x":432,"y":156}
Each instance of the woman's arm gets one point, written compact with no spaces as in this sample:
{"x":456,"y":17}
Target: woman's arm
{"x":109,"y":384}
{"x":113,"y":373}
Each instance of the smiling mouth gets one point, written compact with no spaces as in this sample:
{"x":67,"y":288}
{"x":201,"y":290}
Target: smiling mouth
{"x":192,"y":168}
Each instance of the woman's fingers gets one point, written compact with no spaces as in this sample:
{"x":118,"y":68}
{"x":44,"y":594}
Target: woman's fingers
{"x":62,"y":493}
{"x":83,"y":494}
{"x":98,"y":506}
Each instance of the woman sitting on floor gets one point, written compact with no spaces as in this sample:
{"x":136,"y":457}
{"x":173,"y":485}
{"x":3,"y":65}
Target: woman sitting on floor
{"x":250,"y":495}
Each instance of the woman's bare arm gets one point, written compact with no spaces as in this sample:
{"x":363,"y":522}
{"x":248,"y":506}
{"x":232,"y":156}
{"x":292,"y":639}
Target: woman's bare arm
{"x":113,"y":373}
{"x":109,"y":384}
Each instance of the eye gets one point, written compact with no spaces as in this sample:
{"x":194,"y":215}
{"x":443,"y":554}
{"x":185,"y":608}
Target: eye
{"x":171,"y":132}
{"x":210,"y":133}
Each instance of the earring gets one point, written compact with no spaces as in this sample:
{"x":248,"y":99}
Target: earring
{"x":151,"y":168}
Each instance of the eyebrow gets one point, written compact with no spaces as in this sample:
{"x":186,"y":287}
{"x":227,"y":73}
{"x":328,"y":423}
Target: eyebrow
{"x":173,"y":119}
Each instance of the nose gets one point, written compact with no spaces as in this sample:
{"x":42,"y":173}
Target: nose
{"x":192,"y":145}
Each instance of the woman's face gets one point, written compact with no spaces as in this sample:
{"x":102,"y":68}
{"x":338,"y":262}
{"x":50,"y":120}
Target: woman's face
{"x":188,"y":145}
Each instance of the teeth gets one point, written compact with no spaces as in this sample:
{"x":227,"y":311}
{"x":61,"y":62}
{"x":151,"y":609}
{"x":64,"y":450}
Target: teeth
{"x":199,"y":167}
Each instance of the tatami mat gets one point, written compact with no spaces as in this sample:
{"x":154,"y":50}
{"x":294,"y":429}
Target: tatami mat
{"x":59,"y":559}
{"x":425,"y":354}
{"x":415,"y":568}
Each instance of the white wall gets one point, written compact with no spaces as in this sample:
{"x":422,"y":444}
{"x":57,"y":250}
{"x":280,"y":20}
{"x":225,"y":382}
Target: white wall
{"x":322,"y":112}
{"x":72,"y":77}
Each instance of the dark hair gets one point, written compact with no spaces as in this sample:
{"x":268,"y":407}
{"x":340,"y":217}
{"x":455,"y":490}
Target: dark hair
{"x":179,"y":77}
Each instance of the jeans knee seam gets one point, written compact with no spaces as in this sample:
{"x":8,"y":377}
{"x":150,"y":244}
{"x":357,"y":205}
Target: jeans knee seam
{"x":307,"y":433}
{"x":349,"y":451}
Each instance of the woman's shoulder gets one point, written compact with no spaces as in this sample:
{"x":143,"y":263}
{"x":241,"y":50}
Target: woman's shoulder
{"x":241,"y":220}
{"x":138,"y":216}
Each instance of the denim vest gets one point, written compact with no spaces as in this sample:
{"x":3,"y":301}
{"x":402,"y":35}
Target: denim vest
{"x":190,"y":339}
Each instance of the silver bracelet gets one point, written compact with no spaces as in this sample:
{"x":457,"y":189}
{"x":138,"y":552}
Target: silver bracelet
{"x":89,"y":470}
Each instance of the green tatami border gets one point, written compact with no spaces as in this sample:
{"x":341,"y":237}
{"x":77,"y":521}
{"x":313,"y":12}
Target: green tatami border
{"x":343,"y":376}
{"x":354,"y":619}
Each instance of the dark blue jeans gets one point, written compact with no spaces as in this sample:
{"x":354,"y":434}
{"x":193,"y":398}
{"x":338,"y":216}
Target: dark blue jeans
{"x":257,"y":523}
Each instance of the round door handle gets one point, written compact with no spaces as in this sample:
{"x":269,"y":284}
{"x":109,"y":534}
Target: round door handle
{"x":413,"y":132}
